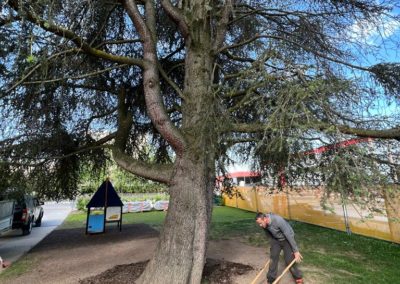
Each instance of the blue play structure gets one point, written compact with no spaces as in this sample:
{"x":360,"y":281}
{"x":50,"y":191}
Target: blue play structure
{"x":95,"y":223}
{"x":104,"y":207}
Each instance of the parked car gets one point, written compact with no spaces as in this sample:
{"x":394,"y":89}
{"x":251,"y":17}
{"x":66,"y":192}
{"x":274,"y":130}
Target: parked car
{"x":28,"y":211}
{"x":6,"y":215}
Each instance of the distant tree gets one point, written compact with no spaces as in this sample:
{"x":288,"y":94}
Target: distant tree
{"x":123,"y":181}
{"x":193,"y":78}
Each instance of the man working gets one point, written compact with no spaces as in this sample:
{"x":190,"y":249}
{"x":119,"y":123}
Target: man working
{"x":282,"y":238}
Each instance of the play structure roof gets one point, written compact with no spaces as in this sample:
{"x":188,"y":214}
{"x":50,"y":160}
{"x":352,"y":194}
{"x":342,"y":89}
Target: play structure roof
{"x":105,"y":196}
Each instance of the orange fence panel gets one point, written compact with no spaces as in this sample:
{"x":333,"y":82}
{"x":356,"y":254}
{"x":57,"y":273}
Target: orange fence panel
{"x":304,"y":206}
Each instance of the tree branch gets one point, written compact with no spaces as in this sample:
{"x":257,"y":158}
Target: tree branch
{"x":79,"y":42}
{"x":125,"y":121}
{"x":156,"y":172}
{"x":222,"y":25}
{"x":232,"y":141}
{"x":246,"y":127}
{"x":177,"y":16}
{"x":151,"y":81}
{"x":5,"y":21}
{"x":241,"y":93}
{"x":237,"y":58}
{"x":38,"y":65}
{"x":393,"y":133}
{"x":247,"y":41}
{"x":138,"y":21}
{"x":170,"y":82}
{"x":319,"y":54}
{"x":92,"y":87}
{"x":386,"y":162}
{"x":96,"y":145}
{"x":21,"y":164}
{"x":77,"y":77}
{"x":315,"y":52}
{"x":121,"y":41}
{"x":111,"y":111}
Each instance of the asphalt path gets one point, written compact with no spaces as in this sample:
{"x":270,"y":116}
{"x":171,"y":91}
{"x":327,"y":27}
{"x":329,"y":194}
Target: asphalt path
{"x":13,"y":245}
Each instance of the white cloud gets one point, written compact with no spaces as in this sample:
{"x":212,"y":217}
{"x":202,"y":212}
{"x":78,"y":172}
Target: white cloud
{"x":373,"y":32}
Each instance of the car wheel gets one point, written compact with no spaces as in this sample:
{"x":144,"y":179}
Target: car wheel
{"x":38,"y":222}
{"x":27,"y":229}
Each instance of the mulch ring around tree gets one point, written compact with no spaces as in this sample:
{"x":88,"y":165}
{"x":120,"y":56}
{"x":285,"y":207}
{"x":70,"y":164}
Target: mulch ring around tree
{"x":220,"y":271}
{"x":215,"y":271}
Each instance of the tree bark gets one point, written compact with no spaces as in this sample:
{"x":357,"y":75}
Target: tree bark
{"x":180,"y":254}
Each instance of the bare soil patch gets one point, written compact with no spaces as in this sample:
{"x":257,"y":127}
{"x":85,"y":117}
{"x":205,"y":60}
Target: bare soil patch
{"x":220,"y":271}
{"x":125,"y":273}
{"x":215,"y":271}
{"x":70,"y":256}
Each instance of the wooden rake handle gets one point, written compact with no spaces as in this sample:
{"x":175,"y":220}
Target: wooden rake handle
{"x":284,"y":271}
{"x":259,"y":273}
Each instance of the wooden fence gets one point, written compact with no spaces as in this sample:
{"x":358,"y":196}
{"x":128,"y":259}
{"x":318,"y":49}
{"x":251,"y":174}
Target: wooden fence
{"x":304,"y":206}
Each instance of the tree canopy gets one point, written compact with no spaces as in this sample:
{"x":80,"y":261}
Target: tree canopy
{"x":196,"y":79}
{"x":282,"y":71}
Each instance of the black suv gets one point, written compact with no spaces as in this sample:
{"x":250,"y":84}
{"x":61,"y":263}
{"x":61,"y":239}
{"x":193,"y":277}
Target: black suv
{"x":27,"y":212}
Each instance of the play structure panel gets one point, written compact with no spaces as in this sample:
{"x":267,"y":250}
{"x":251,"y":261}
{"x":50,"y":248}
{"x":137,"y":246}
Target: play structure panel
{"x":96,"y":223}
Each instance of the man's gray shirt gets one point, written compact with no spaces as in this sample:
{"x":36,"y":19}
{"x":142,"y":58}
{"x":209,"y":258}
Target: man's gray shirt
{"x":281,"y":230}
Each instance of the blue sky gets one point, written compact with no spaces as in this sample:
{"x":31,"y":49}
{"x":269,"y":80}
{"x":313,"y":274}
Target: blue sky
{"x":385,"y":41}
{"x":377,"y":42}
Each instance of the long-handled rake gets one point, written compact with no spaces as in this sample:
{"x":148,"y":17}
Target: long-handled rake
{"x":284,"y":271}
{"x":258,"y":275}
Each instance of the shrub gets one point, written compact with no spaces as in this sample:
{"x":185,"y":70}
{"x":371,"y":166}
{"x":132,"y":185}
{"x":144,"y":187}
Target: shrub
{"x":81,"y":203}
{"x":218,"y":200}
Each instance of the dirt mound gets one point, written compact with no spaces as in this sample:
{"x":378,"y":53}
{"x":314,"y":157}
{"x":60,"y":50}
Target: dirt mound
{"x":125,"y":273}
{"x":220,"y":271}
{"x":215,"y":271}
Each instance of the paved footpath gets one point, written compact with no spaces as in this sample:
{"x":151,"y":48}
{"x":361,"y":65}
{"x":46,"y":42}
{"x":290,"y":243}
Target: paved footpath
{"x":13,"y":245}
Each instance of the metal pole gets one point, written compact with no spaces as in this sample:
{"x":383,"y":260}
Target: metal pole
{"x":255,"y":197}
{"x":345,"y":215}
{"x":105,"y":205}
{"x":87,"y":220}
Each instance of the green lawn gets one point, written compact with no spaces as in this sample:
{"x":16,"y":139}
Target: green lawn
{"x":152,"y":218}
{"x":352,"y":258}
{"x":329,"y":256}
{"x":23,"y":265}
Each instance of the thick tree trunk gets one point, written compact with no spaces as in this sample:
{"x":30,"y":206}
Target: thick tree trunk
{"x":180,"y":254}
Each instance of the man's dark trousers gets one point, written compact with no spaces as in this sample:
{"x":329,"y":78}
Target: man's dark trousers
{"x":276,"y":247}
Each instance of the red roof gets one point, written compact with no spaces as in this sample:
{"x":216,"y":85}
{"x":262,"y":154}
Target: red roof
{"x":313,"y":151}
{"x":337,"y":145}
{"x":242,"y":174}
